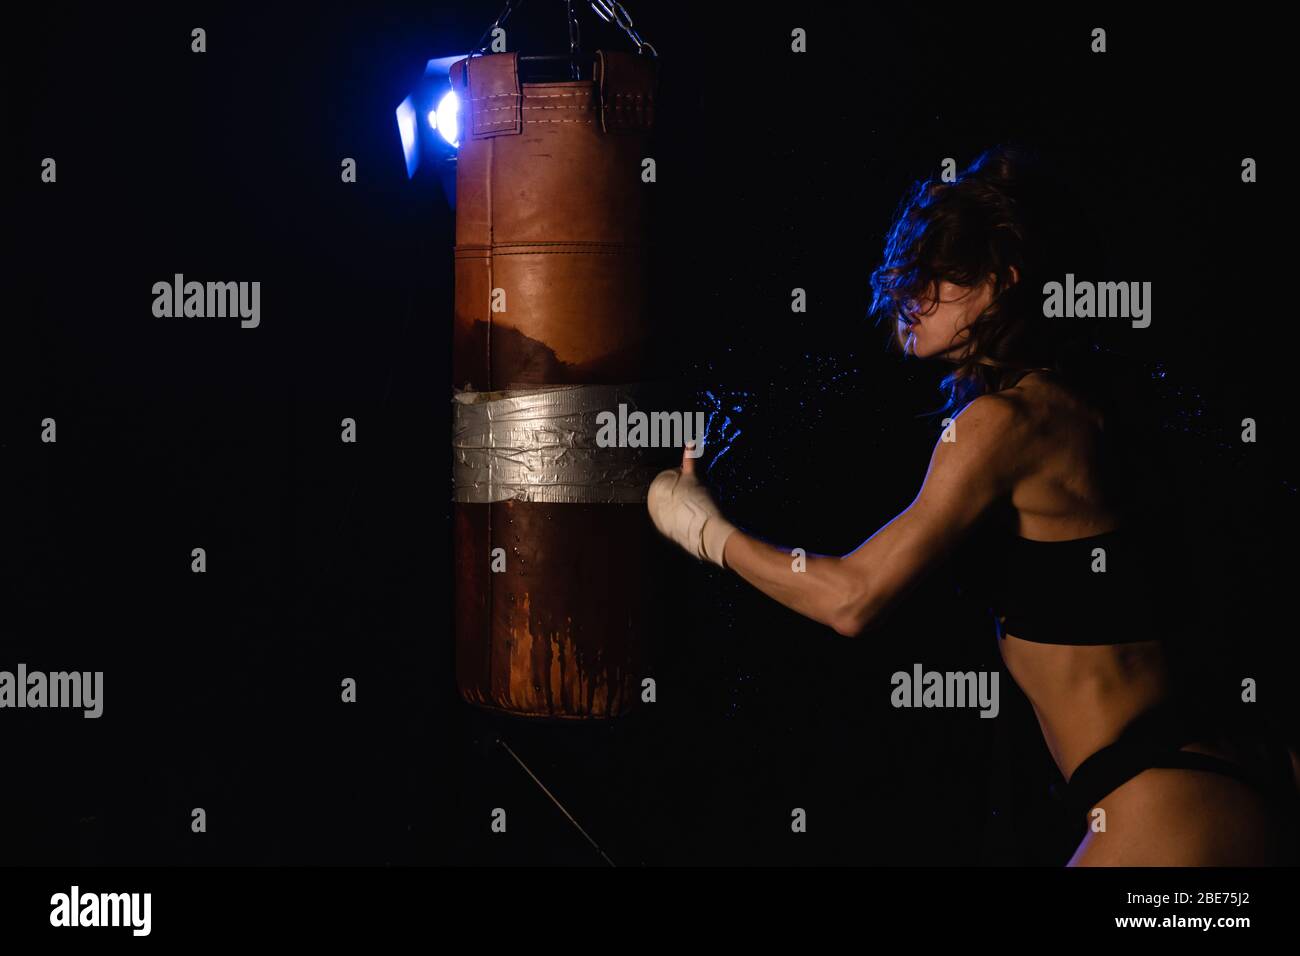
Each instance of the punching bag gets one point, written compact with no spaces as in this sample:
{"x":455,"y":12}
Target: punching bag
{"x":551,"y":327}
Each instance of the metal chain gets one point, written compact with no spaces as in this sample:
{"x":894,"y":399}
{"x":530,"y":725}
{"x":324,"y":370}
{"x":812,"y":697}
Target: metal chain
{"x":575,"y":41}
{"x":611,"y":11}
{"x":501,"y":18}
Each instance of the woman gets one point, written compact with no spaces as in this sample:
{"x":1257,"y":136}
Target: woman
{"x":1030,"y":460}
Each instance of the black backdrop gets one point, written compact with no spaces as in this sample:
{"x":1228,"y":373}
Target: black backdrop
{"x":329,"y":560}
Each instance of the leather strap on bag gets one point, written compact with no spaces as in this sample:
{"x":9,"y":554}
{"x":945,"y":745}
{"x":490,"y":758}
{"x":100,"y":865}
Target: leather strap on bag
{"x":495,"y":100}
{"x":489,"y":86}
{"x":626,"y":83}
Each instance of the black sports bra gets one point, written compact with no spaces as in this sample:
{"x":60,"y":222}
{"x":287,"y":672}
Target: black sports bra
{"x":1103,"y":589}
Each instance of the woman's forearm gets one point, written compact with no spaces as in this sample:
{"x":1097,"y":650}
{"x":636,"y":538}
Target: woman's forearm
{"x":816,"y":586}
{"x":821,"y":587}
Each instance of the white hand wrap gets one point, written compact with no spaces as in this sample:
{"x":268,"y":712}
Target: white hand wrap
{"x":684,"y":511}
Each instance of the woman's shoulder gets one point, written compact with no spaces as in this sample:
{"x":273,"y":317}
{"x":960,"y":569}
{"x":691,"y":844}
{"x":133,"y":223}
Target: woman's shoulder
{"x":997,"y":421}
{"x":1053,"y":400}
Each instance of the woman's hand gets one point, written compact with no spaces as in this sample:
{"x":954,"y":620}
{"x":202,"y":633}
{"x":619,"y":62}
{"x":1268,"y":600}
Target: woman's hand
{"x":684,"y":512}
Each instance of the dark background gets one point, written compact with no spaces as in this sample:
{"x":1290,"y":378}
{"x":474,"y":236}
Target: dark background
{"x":328,"y":560}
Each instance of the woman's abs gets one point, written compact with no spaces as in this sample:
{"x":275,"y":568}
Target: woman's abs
{"x":1084,"y":696}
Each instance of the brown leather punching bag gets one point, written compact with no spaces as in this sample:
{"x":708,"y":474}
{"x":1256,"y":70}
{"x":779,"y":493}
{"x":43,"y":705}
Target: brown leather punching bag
{"x":551,"y":324}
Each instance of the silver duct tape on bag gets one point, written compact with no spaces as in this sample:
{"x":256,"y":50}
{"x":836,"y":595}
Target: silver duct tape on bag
{"x":540,"y":445}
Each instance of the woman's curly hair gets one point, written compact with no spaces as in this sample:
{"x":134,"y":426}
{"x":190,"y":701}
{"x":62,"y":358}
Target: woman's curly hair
{"x":1004,"y":211}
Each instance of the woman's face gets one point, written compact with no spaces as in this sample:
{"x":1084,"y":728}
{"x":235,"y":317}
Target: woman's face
{"x":939,"y":328}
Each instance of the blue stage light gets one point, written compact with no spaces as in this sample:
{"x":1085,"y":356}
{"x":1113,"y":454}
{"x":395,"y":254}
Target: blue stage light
{"x":406,"y":128}
{"x":433,"y":99}
{"x":448,"y":117}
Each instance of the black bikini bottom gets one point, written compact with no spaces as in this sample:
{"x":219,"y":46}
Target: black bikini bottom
{"x":1152,"y":740}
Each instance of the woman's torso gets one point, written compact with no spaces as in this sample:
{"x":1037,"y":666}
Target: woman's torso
{"x":1071,"y":489}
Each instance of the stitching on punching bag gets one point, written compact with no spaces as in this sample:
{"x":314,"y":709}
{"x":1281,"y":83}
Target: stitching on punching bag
{"x":491,"y":584}
{"x":491,"y":253}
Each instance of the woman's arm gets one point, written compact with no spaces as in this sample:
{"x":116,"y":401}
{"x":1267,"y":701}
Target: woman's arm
{"x":849,"y":594}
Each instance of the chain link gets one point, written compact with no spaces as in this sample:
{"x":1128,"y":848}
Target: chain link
{"x":611,"y":11}
{"x":575,"y":41}
{"x":501,"y":18}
